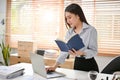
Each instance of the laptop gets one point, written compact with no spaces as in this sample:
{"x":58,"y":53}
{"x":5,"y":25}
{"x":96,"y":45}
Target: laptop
{"x":39,"y":67}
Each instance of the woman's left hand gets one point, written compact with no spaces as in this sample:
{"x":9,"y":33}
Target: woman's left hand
{"x":75,"y":53}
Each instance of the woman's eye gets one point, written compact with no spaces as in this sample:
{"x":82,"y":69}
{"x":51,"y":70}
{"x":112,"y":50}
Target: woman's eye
{"x":69,"y":18}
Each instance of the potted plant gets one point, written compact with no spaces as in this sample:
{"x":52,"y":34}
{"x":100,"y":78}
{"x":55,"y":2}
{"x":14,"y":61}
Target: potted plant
{"x":6,"y":53}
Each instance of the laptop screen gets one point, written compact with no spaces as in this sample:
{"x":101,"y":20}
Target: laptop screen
{"x":39,"y":66}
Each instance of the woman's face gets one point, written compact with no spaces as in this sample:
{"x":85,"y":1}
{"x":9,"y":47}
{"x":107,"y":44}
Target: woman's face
{"x":72,"y":19}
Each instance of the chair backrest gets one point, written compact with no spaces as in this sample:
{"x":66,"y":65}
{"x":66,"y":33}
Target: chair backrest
{"x":113,"y":66}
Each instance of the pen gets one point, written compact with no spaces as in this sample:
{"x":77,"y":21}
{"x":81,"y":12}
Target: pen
{"x":107,"y":78}
{"x":114,"y":77}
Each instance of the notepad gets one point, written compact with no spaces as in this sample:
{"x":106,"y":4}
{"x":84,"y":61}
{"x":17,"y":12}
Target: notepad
{"x":74,"y":42}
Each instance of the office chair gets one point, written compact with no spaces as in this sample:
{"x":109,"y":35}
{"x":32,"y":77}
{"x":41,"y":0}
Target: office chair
{"x":113,"y":66}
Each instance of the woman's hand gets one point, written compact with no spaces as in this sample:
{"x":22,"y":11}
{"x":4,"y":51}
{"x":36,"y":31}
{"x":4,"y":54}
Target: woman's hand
{"x":76,"y":53}
{"x":50,"y":68}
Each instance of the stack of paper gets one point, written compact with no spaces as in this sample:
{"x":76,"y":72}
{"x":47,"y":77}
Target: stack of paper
{"x":12,"y":71}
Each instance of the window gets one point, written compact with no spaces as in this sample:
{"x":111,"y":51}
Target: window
{"x":42,"y":21}
{"x":107,"y":22}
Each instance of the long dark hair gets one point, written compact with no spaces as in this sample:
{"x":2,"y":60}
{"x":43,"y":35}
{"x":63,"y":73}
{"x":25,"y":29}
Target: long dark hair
{"x":77,"y":10}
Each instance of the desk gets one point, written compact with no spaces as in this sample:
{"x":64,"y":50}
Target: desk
{"x":70,"y":74}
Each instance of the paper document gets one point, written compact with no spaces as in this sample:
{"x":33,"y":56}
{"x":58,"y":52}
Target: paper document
{"x":10,"y":71}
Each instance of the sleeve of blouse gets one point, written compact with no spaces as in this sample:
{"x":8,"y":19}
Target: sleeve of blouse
{"x":61,"y":58}
{"x":63,"y":55}
{"x":92,"y":49}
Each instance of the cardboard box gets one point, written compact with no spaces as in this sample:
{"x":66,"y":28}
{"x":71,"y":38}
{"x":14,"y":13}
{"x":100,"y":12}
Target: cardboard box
{"x":25,"y":47}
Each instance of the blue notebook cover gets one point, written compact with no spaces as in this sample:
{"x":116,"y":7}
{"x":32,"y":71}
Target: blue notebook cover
{"x":74,"y":42}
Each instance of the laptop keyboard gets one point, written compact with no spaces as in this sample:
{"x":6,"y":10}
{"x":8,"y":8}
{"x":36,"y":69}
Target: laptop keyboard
{"x":49,"y":72}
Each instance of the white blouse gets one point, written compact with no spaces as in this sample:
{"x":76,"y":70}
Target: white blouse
{"x":89,"y":37}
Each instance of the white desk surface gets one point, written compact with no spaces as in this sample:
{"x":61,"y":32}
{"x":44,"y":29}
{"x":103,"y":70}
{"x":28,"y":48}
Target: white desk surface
{"x":70,"y":74}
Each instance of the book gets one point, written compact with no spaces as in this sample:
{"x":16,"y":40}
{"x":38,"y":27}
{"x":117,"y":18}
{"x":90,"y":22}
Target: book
{"x":8,"y":72}
{"x":74,"y":42}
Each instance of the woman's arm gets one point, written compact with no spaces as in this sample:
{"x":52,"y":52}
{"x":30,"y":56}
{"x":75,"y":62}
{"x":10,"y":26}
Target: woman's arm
{"x":60,"y":60}
{"x":52,"y":68}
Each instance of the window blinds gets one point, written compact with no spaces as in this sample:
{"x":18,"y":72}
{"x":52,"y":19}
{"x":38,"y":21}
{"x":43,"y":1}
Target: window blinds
{"x":107,"y":22}
{"x":40,"y":21}
{"x":43,"y":21}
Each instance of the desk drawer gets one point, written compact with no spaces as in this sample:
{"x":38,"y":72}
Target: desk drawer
{"x":19,"y":59}
{"x":67,"y":64}
{"x":13,"y":60}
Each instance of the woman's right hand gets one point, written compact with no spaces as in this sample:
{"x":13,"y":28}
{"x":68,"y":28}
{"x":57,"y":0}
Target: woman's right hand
{"x":50,"y":68}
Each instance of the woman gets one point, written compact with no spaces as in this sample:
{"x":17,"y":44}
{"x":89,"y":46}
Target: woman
{"x":77,"y":24}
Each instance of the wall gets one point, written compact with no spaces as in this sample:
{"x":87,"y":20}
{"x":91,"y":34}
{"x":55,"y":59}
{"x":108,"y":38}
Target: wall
{"x":2,"y":26}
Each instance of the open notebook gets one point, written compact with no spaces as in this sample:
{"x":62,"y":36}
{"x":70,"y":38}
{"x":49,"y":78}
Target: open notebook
{"x":39,"y":67}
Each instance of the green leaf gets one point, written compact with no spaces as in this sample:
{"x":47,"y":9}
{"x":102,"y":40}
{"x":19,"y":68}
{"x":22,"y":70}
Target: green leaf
{"x":6,"y":52}
{"x":2,"y":44}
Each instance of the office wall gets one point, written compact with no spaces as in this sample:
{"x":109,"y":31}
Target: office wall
{"x":2,"y":21}
{"x":2,"y":18}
